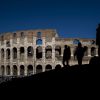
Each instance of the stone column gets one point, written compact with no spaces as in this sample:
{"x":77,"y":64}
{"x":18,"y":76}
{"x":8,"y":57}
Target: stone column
{"x":34,"y":69}
{"x":18,"y":55}
{"x":5,"y":66}
{"x":53,"y":49}
{"x":25,"y":55}
{"x":11,"y":70}
{"x":34,"y":56}
{"x":43,"y":54}
{"x":72,"y":51}
{"x":25,"y":70}
{"x":18,"y":50}
{"x":89,"y":52}
{"x":18,"y":60}
{"x":43,"y":68}
{"x":53,"y":54}
{"x":34,"y":47}
{"x":18,"y":69}
{"x":5,"y":52}
{"x":43,"y":48}
{"x":62,"y":50}
{"x":96,"y":51}
{"x":11,"y":56}
{"x":11,"y":52}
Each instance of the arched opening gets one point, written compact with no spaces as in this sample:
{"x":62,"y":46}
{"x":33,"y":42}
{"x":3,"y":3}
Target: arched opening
{"x":39,"y":52}
{"x":30,"y":70}
{"x":14,"y":53}
{"x":15,"y":70}
{"x":2,"y":53}
{"x":8,"y":53}
{"x":39,"y":34}
{"x":93,"y":51}
{"x":22,"y":70}
{"x":76,"y":41}
{"x":22,"y":53}
{"x":58,"y":66}
{"x":8,"y":43}
{"x":48,"y":52}
{"x":93,"y":42}
{"x":39,"y":42}
{"x":2,"y":70}
{"x":30,"y":51}
{"x":85,"y":51}
{"x":48,"y":67}
{"x":14,"y":38}
{"x":14,"y":35}
{"x":22,"y":34}
{"x":8,"y":70}
{"x":38,"y":69}
{"x":58,"y":52}
{"x":2,"y":40}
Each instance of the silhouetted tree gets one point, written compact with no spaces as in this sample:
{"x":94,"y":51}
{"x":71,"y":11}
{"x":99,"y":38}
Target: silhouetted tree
{"x":79,"y":53}
{"x":66,"y":55}
{"x":98,"y":38}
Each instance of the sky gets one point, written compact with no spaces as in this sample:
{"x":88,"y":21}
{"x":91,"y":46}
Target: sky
{"x":71,"y":18}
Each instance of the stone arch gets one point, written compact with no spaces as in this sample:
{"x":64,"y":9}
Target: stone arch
{"x":29,"y":70}
{"x":48,"y":67}
{"x":39,"y":42}
{"x":30,"y":51}
{"x":85,"y":51}
{"x":2,"y":70}
{"x":39,"y":34}
{"x":14,"y":35}
{"x":14,"y":53}
{"x":58,"y":66}
{"x":8,"y":43}
{"x":14,"y":38}
{"x":8,"y":70}
{"x":48,"y":52}
{"x":22,"y":51}
{"x":22,"y":34}
{"x":2,"y":40}
{"x":2,"y":53}
{"x":76,"y":41}
{"x":38,"y":68}
{"x":15,"y":70}
{"x":57,"y":51}
{"x":39,"y":52}
{"x":8,"y":54}
{"x":22,"y":69}
{"x":93,"y":51}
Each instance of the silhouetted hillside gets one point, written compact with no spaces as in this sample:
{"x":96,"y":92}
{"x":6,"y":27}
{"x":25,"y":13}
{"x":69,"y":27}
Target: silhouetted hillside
{"x":70,"y":77}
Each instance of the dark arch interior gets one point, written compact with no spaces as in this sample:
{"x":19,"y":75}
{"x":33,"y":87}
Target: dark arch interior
{"x":38,"y":69}
{"x":30,"y":70}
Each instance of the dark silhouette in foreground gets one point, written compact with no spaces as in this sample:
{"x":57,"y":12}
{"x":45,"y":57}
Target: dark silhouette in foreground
{"x":75,"y":80}
{"x":66,"y":56}
{"x":96,"y":59}
{"x":79,"y":53}
{"x":98,"y":39}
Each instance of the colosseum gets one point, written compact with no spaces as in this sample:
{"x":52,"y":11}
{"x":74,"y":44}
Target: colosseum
{"x":33,"y":51}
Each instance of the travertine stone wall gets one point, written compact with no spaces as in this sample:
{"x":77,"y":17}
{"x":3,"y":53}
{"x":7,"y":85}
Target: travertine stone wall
{"x":32,"y":65}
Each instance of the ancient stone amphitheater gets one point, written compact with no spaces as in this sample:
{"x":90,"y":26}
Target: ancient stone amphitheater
{"x":29,"y":52}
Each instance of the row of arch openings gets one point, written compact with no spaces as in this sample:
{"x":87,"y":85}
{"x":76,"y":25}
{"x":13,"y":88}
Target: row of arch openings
{"x":30,"y":69}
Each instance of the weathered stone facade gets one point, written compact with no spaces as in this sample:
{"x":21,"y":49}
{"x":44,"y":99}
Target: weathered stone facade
{"x":33,"y":51}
